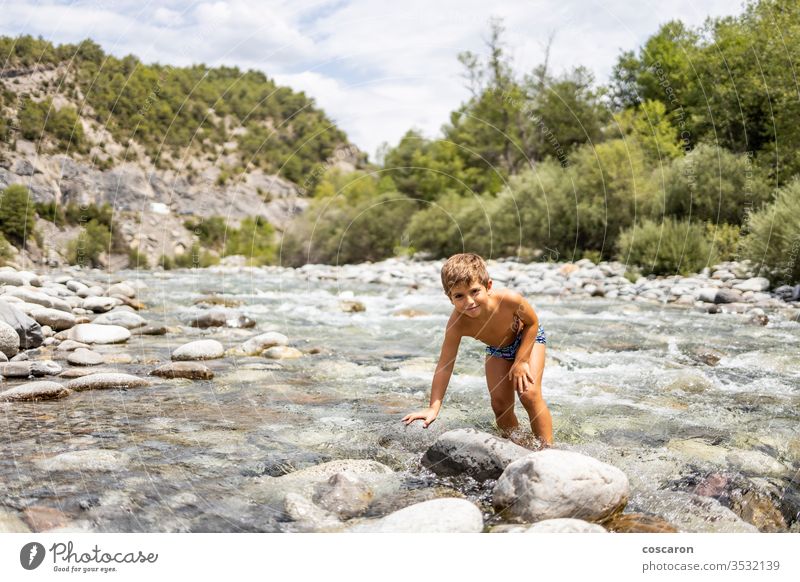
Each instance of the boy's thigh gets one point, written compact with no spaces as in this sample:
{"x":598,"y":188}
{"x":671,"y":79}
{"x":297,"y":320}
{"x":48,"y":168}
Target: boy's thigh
{"x":497,"y":381}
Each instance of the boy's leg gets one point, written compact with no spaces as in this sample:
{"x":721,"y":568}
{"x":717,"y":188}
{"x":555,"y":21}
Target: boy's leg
{"x":501,"y":391}
{"x":541,"y":421}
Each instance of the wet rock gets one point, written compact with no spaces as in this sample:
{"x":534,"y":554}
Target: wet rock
{"x":189,"y":370}
{"x":435,"y":516}
{"x":100,"y":304}
{"x":69,"y":345}
{"x":755,"y":284}
{"x":126,"y":319}
{"x":16,"y":369}
{"x":10,"y":522}
{"x":213,"y":318}
{"x":29,"y":332}
{"x":45,"y":368}
{"x":344,"y":495}
{"x":480,"y":455}
{"x":727,"y":296}
{"x":707,"y":294}
{"x":150,"y":330}
{"x":282,"y":353}
{"x":565,"y":525}
{"x":759,"y":510}
{"x":638,"y":523}
{"x":86,"y":460}
{"x":756,"y":463}
{"x":9,"y":340}
{"x":101,"y":381}
{"x":81,"y":372}
{"x":92,"y":333}
{"x":55,"y":318}
{"x":693,"y":513}
{"x":349,"y":306}
{"x":34,"y":391}
{"x":708,"y":356}
{"x":20,"y":357}
{"x":122,"y":289}
{"x":757,"y":319}
{"x":311,"y":517}
{"x":199,"y":350}
{"x":551,"y":484}
{"x":84,"y":357}
{"x":255,"y":345}
{"x":118,"y":358}
{"x":38,"y":297}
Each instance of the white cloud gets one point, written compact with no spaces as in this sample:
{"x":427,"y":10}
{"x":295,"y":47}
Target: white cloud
{"x":377,"y":67}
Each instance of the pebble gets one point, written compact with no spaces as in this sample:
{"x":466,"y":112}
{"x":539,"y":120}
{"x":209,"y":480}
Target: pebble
{"x":255,"y":345}
{"x":9,"y":340}
{"x":92,"y":333}
{"x":33,"y":391}
{"x":86,"y":460}
{"x":84,"y":357}
{"x":69,"y":345}
{"x":122,"y":318}
{"x":190,"y":370}
{"x":282,"y":353}
{"x":100,"y":304}
{"x":199,"y":350}
{"x":104,"y":381}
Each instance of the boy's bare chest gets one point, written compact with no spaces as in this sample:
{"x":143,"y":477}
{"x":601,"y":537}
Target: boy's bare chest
{"x":499,"y":329}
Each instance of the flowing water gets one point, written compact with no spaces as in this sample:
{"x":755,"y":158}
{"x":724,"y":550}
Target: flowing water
{"x":626,"y":383}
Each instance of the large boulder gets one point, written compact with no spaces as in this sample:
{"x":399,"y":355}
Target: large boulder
{"x":28,"y":330}
{"x":466,"y":450}
{"x":9,"y":340}
{"x":553,"y":484}
{"x":38,"y":297}
{"x":448,"y":515}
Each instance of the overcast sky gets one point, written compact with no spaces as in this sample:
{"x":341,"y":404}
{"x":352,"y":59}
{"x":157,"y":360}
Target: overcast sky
{"x":377,"y":67}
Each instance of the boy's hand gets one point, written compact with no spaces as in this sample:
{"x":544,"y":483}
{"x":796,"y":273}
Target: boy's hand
{"x":520,"y":376}
{"x":427,"y":416}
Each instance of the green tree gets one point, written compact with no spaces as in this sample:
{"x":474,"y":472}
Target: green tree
{"x":670,"y":247}
{"x":93,"y":240}
{"x":17,"y":214}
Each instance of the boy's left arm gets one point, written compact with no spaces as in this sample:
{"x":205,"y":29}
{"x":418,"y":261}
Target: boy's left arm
{"x":520,"y":373}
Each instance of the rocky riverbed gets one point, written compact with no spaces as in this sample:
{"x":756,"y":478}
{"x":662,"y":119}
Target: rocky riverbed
{"x":269,"y":400}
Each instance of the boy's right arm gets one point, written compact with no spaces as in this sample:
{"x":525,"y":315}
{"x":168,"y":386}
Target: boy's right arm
{"x":441,"y":378}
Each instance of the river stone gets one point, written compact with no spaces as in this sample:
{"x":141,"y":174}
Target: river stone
{"x":638,"y":523}
{"x":9,"y":340}
{"x":199,"y":350}
{"x":92,"y":333}
{"x":123,"y":318}
{"x":344,"y":494}
{"x":448,"y":515}
{"x":84,"y":357}
{"x":86,"y":460}
{"x":190,"y":370}
{"x":756,"y":284}
{"x":12,"y":278}
{"x":565,"y":525}
{"x":706,"y":294}
{"x":45,"y":368}
{"x":466,"y":450}
{"x":212,"y":318}
{"x":32,"y":391}
{"x":282,"y":353}
{"x":100,"y":304}
{"x":150,"y":330}
{"x":692,"y":513}
{"x":103,"y":381}
{"x":550,"y":484}
{"x":122,"y":289}
{"x":38,"y":297}
{"x":308,"y":515}
{"x":16,"y":369}
{"x":29,"y":332}
{"x":756,"y":463}
{"x":55,"y":318}
{"x":352,"y":306}
{"x":70,"y":373}
{"x":69,"y":345}
{"x":727,"y":296}
{"x":255,"y":345}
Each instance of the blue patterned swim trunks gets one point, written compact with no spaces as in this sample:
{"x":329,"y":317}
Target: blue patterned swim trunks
{"x":509,"y":352}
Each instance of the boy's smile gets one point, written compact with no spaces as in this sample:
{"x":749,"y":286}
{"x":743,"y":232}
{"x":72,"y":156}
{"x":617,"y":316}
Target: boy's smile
{"x":472,"y":299}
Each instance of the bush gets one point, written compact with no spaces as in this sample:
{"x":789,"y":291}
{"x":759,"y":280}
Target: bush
{"x":86,"y":248}
{"x":195,"y":258}
{"x":255,"y":239}
{"x":52,"y":212}
{"x":5,"y":250}
{"x":137,"y":259}
{"x":668,"y":248}
{"x":211,"y":231}
{"x":773,"y":241}
{"x":16,"y":214}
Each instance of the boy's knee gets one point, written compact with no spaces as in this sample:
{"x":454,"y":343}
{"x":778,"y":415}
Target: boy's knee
{"x":501,"y":407}
{"x":531,"y":396}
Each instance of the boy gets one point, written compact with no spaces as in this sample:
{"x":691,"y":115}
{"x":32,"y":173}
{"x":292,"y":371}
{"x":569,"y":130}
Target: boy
{"x":504,"y":321}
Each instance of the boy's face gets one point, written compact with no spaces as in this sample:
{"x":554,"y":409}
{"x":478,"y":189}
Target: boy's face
{"x":470,"y":299}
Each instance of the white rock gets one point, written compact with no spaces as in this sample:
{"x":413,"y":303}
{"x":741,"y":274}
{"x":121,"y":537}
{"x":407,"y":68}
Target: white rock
{"x":123,"y":318}
{"x":199,"y":350}
{"x":107,"y":381}
{"x":552,"y":484}
{"x":84,"y":357}
{"x":100,"y":304}
{"x":55,"y":318}
{"x":9,"y":340}
{"x":92,"y":333}
{"x":566,"y":525}
{"x":448,"y":515}
{"x":122,"y":289}
{"x":282,"y":353}
{"x":256,"y":345}
{"x":87,"y":460}
{"x":756,"y":284}
{"x":34,"y":391}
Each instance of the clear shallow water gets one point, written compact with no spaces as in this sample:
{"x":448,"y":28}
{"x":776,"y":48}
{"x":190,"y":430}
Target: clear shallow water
{"x":621,"y":379}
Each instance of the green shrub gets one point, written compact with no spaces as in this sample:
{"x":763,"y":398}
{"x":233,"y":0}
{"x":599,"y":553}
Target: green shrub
{"x":725,"y":239}
{"x":16,"y":214}
{"x":93,"y":240}
{"x":166,"y":262}
{"x":51,"y":211}
{"x":255,"y":239}
{"x":137,"y":259}
{"x":194,"y":258}
{"x":211,"y":231}
{"x":5,"y":250}
{"x":773,"y":241}
{"x":667,"y":248}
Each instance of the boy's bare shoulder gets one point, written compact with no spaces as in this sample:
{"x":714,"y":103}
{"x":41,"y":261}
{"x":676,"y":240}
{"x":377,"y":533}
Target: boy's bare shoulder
{"x":509,"y":296}
{"x":455,"y":324}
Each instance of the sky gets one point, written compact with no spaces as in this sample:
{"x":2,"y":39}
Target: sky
{"x":377,"y":67}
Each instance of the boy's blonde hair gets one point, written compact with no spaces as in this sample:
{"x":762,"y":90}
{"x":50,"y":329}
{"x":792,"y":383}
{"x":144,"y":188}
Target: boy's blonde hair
{"x":463,"y":269}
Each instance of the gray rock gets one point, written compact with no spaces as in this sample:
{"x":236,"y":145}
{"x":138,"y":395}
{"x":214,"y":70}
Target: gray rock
{"x":309,"y":516}
{"x":122,"y":289}
{"x":150,"y":330}
{"x":29,"y":332}
{"x":16,"y":370}
{"x":199,"y":350}
{"x":552,"y":484}
{"x":100,"y":304}
{"x":727,"y":296}
{"x":45,"y":368}
{"x":11,"y":523}
{"x":55,"y":318}
{"x":103,"y":381}
{"x":480,"y":455}
{"x":693,"y":513}
{"x":344,"y":495}
{"x":565,"y":525}
{"x":255,"y":345}
{"x":122,"y":318}
{"x":282,"y":353}
{"x":189,"y":370}
{"x":221,"y":318}
{"x":9,"y":340}
{"x":448,"y":515}
{"x":756,"y":284}
{"x":84,"y":357}
{"x":707,"y":294}
{"x":69,"y":345}
{"x":38,"y":297}
{"x":33,"y":391}
{"x":101,"y":460}
{"x":92,"y":333}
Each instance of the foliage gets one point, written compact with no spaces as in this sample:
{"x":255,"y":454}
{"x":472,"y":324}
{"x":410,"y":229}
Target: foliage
{"x":211,"y":230}
{"x":773,"y":241}
{"x":5,"y":250}
{"x":16,"y":214}
{"x":667,"y":248}
{"x":255,"y":239}
{"x":38,"y":119}
{"x":93,"y":240}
